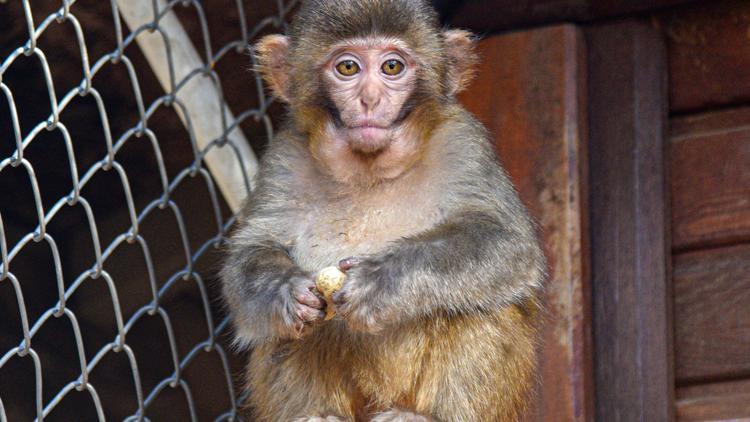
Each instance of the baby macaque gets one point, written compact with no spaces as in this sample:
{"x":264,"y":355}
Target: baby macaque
{"x":380,"y":172}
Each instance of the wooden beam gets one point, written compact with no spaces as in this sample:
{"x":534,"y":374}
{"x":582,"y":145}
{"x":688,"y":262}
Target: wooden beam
{"x":629,"y":234}
{"x":489,"y":16}
{"x":530,"y":95}
{"x":200,"y":96}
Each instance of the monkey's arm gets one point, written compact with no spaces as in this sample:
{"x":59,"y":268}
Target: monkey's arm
{"x":472,"y":262}
{"x":267,"y":294}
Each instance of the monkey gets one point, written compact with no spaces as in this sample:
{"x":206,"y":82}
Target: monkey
{"x":379,"y":170}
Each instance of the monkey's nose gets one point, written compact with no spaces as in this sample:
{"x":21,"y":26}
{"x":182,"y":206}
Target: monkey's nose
{"x":369,"y":102}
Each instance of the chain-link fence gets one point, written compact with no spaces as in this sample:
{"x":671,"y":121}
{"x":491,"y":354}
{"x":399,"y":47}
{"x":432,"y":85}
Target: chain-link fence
{"x":111,"y":215}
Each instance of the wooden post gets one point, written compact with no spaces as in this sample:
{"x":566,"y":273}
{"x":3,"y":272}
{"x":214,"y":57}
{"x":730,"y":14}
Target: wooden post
{"x":632,"y":292}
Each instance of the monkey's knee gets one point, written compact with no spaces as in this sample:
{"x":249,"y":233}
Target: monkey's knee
{"x":398,"y":415}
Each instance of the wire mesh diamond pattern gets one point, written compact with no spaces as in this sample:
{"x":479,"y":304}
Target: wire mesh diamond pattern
{"x":65,"y":286}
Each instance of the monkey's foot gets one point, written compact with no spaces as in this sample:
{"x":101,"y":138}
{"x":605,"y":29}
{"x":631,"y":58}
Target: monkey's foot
{"x":397,"y":415}
{"x":320,"y":419}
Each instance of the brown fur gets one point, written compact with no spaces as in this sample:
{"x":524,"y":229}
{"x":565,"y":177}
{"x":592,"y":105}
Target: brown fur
{"x":490,"y":359}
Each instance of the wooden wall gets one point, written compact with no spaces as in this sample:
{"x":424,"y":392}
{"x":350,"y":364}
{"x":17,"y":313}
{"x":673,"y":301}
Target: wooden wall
{"x":709,"y":72}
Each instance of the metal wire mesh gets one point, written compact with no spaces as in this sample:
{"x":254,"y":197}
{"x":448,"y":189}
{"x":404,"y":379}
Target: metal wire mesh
{"x":65,"y":287}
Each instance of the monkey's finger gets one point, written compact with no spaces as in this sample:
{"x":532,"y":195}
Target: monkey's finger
{"x":340,"y":297}
{"x":314,"y":290}
{"x":309,"y":315}
{"x":348,"y":263}
{"x":309,"y":298}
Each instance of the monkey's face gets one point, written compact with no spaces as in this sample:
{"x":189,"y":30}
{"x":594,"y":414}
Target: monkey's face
{"x":368,"y":82}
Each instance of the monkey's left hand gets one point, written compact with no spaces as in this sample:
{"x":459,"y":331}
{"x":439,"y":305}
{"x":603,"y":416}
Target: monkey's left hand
{"x":363,"y":301}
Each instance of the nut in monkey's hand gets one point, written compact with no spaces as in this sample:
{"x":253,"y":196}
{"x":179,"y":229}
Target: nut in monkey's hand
{"x":328,"y":281}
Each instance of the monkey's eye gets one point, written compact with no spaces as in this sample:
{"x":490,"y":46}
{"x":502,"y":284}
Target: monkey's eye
{"x":347,"y":68}
{"x":392,"y":67}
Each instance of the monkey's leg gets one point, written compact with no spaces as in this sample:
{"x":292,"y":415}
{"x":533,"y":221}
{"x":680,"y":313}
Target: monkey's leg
{"x":300,"y":380}
{"x":481,"y":367}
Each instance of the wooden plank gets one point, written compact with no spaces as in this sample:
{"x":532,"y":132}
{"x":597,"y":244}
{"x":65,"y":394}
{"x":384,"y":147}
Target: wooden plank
{"x":719,"y":401}
{"x":487,"y":16}
{"x":529,"y":94}
{"x":710,"y":179}
{"x":712,"y":314}
{"x":709,"y":54}
{"x":629,"y":234}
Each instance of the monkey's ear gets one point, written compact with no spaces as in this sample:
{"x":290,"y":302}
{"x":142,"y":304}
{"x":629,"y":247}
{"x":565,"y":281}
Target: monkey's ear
{"x":460,"y":48}
{"x":271,"y":54}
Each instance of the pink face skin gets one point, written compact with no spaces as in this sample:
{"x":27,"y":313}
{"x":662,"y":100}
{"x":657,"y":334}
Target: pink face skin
{"x":369,"y":100}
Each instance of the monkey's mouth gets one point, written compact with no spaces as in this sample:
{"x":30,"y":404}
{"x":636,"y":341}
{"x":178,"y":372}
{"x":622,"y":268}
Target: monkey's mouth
{"x":369,"y":139}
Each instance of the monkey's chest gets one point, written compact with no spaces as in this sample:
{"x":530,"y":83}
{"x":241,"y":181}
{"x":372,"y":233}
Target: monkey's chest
{"x":339,"y":231}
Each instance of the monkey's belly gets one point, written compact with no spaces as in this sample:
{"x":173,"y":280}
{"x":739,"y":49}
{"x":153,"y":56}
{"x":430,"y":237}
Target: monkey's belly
{"x":462,"y":367}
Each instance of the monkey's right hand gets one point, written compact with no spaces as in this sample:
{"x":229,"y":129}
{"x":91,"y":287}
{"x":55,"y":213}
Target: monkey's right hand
{"x":302,"y":307}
